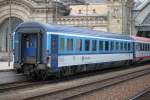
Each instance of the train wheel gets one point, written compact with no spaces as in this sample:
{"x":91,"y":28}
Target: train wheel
{"x":33,"y":75}
{"x":43,"y":75}
{"x":18,"y":70}
{"x":26,"y":71}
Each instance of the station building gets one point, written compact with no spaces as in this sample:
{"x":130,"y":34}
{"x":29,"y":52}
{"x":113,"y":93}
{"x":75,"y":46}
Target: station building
{"x":141,"y":19}
{"x":108,"y":15}
{"x":14,"y":12}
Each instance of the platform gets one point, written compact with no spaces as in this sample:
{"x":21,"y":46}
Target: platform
{"x":4,"y":66}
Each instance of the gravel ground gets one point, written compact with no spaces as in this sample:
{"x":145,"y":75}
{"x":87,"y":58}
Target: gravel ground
{"x":122,"y":91}
{"x":118,"y":92}
{"x":145,"y":96}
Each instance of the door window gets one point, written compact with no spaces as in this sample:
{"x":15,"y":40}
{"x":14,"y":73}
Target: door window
{"x":27,"y":41}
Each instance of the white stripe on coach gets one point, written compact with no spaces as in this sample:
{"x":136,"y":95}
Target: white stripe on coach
{"x":66,"y":34}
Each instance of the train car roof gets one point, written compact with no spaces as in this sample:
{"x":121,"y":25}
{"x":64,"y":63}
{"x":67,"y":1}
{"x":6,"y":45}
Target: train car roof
{"x":72,"y":30}
{"x":142,"y":39}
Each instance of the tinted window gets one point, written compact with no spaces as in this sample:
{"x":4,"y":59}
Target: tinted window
{"x":27,"y":42}
{"x":69,"y":44}
{"x":141,"y":48}
{"x":121,"y":46}
{"x":62,"y":44}
{"x":79,"y":44}
{"x":112,"y":46}
{"x":129,"y":46}
{"x":101,"y":45}
{"x":87,"y":45}
{"x":94,"y":43}
{"x":125,"y":46}
{"x":117,"y":45}
{"x":106,"y":45}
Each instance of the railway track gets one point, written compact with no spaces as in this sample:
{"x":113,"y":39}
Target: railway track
{"x":16,"y":85}
{"x":141,"y":95}
{"x":67,"y":90}
{"x":70,"y":93}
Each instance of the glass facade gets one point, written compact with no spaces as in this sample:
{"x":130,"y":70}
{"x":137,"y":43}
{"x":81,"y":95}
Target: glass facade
{"x":4,"y":32}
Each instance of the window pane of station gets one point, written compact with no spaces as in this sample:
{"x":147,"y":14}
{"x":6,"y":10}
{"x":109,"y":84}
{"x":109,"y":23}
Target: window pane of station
{"x":101,"y":45}
{"x":69,"y":44}
{"x":79,"y":45}
{"x":106,"y":45}
{"x":87,"y":45}
{"x":94,"y":43}
{"x":62,"y":44}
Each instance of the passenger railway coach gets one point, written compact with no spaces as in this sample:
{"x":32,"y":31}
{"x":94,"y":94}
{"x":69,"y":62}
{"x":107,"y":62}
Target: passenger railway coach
{"x":42,"y":49}
{"x":142,"y":49}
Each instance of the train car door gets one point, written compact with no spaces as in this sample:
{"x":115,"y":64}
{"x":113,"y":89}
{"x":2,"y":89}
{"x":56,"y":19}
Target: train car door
{"x":54,"y":52}
{"x":29,"y":51}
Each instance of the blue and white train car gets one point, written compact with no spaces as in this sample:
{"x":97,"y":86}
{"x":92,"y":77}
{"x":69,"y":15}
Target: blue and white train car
{"x":42,"y":48}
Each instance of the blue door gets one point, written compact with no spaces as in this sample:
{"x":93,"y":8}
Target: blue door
{"x":54,"y":52}
{"x":30,"y":48}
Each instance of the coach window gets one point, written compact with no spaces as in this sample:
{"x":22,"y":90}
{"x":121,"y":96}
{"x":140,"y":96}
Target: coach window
{"x":87,"y":45}
{"x":101,"y":46}
{"x":125,"y":46}
{"x":143,"y":46}
{"x":79,"y":45}
{"x":146,"y":47}
{"x":112,"y":46}
{"x":121,"y":46}
{"x":106,"y":45}
{"x":94,"y":44}
{"x":129,"y":46}
{"x":27,"y":37}
{"x":70,"y":44}
{"x":62,"y":44}
{"x":140,"y":46}
{"x":117,"y":45}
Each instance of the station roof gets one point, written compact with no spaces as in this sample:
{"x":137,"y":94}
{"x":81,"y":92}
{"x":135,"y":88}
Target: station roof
{"x":72,"y":30}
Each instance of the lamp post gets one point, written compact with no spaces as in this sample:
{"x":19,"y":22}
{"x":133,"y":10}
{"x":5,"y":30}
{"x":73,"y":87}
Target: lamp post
{"x":56,"y":9}
{"x":122,"y":17}
{"x":46,"y":2}
{"x":9,"y":34}
{"x":87,"y":23}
